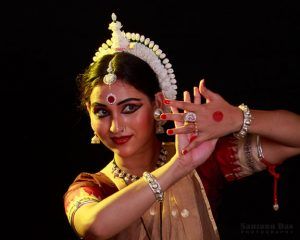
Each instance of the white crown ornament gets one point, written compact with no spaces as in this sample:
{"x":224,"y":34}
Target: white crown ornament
{"x":143,"y":48}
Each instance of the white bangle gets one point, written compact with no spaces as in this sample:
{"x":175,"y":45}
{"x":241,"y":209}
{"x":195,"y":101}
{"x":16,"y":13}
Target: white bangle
{"x":246,"y":122}
{"x":154,"y":185}
{"x":259,"y":148}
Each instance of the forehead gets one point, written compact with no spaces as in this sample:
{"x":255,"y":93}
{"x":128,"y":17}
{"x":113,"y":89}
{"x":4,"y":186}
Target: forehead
{"x":121,"y":89}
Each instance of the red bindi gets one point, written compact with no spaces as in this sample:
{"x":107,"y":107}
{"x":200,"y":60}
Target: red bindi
{"x":218,"y":116}
{"x":111,"y":98}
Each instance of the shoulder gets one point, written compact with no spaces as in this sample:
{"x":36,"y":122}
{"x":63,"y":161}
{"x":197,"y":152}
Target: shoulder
{"x":97,"y":184}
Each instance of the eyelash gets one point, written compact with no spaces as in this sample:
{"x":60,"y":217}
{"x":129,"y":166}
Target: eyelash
{"x":124,"y":111}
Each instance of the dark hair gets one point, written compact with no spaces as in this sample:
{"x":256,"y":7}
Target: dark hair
{"x":128,"y":68}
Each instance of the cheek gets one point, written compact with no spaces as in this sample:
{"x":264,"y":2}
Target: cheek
{"x":100,"y":126}
{"x":144,"y":122}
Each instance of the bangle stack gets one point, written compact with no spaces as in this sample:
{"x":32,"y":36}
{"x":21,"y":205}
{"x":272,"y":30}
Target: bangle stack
{"x":154,"y":185}
{"x":246,"y":122}
{"x":259,"y":148}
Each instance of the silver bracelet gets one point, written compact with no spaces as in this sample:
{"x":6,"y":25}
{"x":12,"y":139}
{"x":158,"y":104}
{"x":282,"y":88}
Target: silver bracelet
{"x":246,"y":122}
{"x":154,"y":185}
{"x":259,"y":148}
{"x":248,"y":153}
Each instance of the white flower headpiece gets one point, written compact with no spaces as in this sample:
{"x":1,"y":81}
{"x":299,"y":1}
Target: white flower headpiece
{"x":143,"y":48}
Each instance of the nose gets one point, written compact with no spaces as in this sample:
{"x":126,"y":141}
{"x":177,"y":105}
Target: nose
{"x":116,"y":125}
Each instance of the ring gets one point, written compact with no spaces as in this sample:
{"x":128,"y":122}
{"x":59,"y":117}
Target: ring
{"x":190,"y":117}
{"x":196,"y":130}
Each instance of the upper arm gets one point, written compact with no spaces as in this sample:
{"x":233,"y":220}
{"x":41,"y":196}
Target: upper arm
{"x":79,"y":200}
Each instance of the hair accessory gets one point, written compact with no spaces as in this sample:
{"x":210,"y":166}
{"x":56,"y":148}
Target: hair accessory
{"x":145,"y":49}
{"x":246,"y":122}
{"x":190,"y":117}
{"x":110,"y":77}
{"x":154,"y":185}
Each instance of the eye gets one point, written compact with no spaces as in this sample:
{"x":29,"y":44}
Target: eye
{"x":130,"y":108}
{"x":101,"y":112}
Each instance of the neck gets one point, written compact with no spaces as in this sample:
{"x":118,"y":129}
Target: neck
{"x":143,"y":160}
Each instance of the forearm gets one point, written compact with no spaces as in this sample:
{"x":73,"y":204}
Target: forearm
{"x":278,"y":125}
{"x":113,"y":214}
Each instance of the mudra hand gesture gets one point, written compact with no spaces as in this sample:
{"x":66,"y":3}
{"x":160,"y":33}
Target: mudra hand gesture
{"x":187,"y":132}
{"x":203,"y":122}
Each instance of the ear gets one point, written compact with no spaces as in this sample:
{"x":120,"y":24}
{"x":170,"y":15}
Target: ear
{"x":88,"y":107}
{"x":159,"y":99}
{"x":159,"y":102}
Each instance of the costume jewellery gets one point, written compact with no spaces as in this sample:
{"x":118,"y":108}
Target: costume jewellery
{"x":143,"y":48}
{"x":95,"y":139}
{"x":154,"y":185}
{"x":190,"y":117}
{"x":109,"y":79}
{"x":150,"y":179}
{"x":159,"y":123}
{"x":129,"y":178}
{"x":246,"y":121}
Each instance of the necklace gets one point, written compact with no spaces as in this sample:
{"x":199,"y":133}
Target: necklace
{"x":129,"y":178}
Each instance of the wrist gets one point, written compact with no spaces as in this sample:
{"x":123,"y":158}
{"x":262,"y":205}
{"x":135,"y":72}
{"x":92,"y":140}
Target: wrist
{"x":244,"y":123}
{"x":170,"y":173}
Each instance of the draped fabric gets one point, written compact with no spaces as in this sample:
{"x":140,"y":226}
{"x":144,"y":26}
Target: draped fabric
{"x":186,"y":210}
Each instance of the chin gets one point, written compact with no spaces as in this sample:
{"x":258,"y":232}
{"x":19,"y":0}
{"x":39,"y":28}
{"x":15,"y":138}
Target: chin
{"x":127,"y":151}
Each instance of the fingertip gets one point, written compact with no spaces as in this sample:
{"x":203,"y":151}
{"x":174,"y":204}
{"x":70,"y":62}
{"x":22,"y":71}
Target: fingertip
{"x":186,"y":92}
{"x":163,"y":116}
{"x":202,"y":82}
{"x":170,"y":131}
{"x":167,"y":101}
{"x":193,"y":137}
{"x":184,"y":151}
{"x":186,"y":96}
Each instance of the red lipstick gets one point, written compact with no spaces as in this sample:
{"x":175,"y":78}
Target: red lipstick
{"x":121,"y":140}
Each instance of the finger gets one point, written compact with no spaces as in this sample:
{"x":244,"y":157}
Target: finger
{"x":186,"y":97}
{"x":178,"y":117}
{"x":208,"y":94}
{"x":184,"y":129}
{"x":197,"y":96}
{"x":191,"y":107}
{"x":176,"y":123}
{"x":174,"y":110}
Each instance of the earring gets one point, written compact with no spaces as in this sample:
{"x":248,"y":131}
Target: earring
{"x":95,"y":139}
{"x":159,"y":128}
{"x":157,"y":113}
{"x":159,"y":123}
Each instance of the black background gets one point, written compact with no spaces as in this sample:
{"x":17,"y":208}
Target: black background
{"x":247,"y":52}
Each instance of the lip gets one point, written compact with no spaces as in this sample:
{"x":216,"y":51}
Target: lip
{"x":121,"y":140}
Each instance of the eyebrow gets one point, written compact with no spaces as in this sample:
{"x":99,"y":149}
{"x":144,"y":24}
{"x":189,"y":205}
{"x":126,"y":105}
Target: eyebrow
{"x":119,"y":103}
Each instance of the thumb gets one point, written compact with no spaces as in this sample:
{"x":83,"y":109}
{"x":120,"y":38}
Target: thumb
{"x":205,"y":92}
